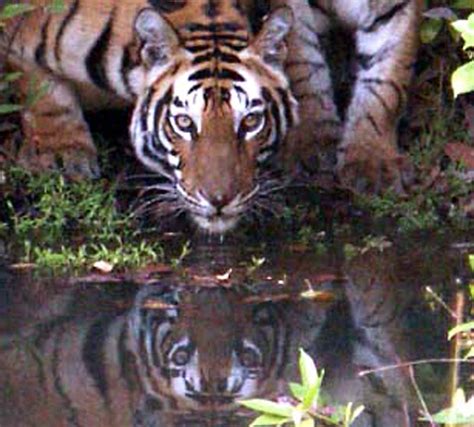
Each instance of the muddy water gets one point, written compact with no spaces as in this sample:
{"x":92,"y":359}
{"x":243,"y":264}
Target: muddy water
{"x":184,"y":347}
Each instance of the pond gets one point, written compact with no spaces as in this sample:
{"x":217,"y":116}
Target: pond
{"x":184,"y":346}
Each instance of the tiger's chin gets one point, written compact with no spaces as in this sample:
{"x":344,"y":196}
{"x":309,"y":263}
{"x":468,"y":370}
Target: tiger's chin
{"x":215,"y":224}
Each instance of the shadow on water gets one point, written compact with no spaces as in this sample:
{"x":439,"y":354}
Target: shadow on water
{"x":183,"y":350}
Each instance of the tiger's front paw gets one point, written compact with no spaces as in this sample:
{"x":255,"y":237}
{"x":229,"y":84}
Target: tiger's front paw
{"x":312,"y":147}
{"x":75,"y":164}
{"x":374,"y":168}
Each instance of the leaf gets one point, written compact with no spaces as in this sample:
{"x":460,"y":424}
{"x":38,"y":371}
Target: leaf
{"x":298,"y":391}
{"x":466,"y":28}
{"x":56,"y":6}
{"x":269,"y":420}
{"x":309,"y":422}
{"x":357,"y":412}
{"x":269,"y":407}
{"x":470,"y":353}
{"x":10,"y":108}
{"x":12,"y":10}
{"x":11,"y":77}
{"x":471,"y":262}
{"x":309,"y":374}
{"x":464,"y":327}
{"x":462,"y":79}
{"x":461,"y":412}
{"x":429,"y":29}
{"x":463,"y":4}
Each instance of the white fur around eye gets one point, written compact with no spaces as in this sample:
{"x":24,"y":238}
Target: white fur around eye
{"x":254,"y":132}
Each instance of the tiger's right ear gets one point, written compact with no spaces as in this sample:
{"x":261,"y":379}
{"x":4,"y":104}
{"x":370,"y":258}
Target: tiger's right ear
{"x":270,"y":41}
{"x":159,"y":38}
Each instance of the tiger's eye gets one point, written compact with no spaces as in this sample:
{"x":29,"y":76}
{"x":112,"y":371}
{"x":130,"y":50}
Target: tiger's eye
{"x":184,"y":122}
{"x":181,"y":357}
{"x":252,"y":121}
{"x":249,"y":358}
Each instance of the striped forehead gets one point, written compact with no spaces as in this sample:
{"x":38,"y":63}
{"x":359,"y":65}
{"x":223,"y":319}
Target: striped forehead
{"x":189,"y":96}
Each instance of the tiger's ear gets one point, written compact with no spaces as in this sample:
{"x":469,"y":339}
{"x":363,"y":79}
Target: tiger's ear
{"x":270,"y":41}
{"x":159,"y":38}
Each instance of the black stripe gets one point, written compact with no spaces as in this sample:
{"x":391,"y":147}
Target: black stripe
{"x":167,"y":6}
{"x":275,"y":111}
{"x":144,"y":111}
{"x":385,"y":17}
{"x":285,"y":99}
{"x":217,"y":54}
{"x":56,"y":112}
{"x":195,"y":87}
{"x":380,"y":99}
{"x":214,"y":27}
{"x":216,"y":37}
{"x":372,"y":121}
{"x":198,"y":48}
{"x":69,"y":16}
{"x":40,"y":51}
{"x":72,"y":413}
{"x":93,"y":354}
{"x":125,"y":67}
{"x":95,"y":61}
{"x":226,"y":73}
{"x":211,"y":9}
{"x":392,"y":84}
{"x":202,"y":74}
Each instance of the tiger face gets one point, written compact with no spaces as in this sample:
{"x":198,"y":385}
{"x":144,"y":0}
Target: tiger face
{"x":214,"y":112}
{"x":185,"y":358}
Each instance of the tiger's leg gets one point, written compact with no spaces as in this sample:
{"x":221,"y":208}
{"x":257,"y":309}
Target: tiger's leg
{"x":313,"y":140}
{"x":56,"y":135}
{"x":386,"y":44}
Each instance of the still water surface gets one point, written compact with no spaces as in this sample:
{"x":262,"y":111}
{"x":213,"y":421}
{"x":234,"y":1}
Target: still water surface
{"x":183,"y":348}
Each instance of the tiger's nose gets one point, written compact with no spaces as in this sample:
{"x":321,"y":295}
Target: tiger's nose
{"x":218,"y":200}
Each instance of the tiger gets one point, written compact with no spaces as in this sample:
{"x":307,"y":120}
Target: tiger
{"x":223,"y":92}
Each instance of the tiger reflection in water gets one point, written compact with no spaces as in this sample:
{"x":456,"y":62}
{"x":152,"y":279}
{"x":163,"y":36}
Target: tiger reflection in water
{"x":184,"y":358}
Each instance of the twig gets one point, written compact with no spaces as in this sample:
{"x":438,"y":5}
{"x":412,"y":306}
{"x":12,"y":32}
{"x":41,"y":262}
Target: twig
{"x":413,"y":363}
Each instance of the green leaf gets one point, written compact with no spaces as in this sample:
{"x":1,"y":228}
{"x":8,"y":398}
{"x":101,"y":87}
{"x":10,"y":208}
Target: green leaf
{"x":12,"y":10}
{"x":309,"y":422}
{"x":470,"y":353}
{"x":429,"y":29}
{"x":298,"y":391}
{"x":11,"y":77}
{"x":357,"y":411}
{"x":269,"y":407}
{"x":462,"y":79}
{"x":471,"y":262}
{"x":309,"y":374}
{"x":462,"y":4}
{"x":466,"y":28}
{"x":464,"y":327}
{"x":461,"y":412}
{"x":56,"y":6}
{"x":269,"y":420}
{"x":10,"y":108}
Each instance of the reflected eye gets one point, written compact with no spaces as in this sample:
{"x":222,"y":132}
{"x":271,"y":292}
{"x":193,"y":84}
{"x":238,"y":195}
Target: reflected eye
{"x":250,"y":358}
{"x":181,"y":356}
{"x":252,"y":122}
{"x":184,"y":122}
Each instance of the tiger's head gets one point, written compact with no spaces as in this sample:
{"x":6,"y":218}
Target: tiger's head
{"x":214,"y":110}
{"x":208,"y":351}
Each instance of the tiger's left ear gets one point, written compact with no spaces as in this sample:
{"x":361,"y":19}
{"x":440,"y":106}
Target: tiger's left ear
{"x":159,"y":38}
{"x":270,"y":41}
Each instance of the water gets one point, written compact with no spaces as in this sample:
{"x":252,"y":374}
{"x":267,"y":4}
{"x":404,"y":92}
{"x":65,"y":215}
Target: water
{"x":182,"y":349}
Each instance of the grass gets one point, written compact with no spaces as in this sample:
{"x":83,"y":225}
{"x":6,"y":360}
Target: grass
{"x":67,"y":227}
